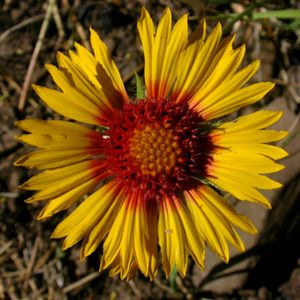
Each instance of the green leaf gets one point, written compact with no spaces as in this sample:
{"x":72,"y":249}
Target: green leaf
{"x":173,"y":284}
{"x":279,"y":14}
{"x":140,"y":90}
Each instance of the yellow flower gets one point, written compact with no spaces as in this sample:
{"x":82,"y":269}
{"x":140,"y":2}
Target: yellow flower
{"x":157,"y":166}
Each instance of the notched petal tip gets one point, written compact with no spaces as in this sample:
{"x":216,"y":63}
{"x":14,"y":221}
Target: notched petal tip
{"x":92,"y":31}
{"x":18,"y":138}
{"x":144,"y":16}
{"x":48,"y":67}
{"x":281,"y":134}
{"x":42,"y":216}
{"x":17,"y":123}
{"x":29,"y":200}
{"x":255,"y":64}
{"x":267,"y":205}
{"x":36,"y":87}
{"x":251,"y":228}
{"x":65,"y":245}
{"x":24,"y":186}
{"x":225,"y":258}
{"x":20,"y":162}
{"x":219,"y":28}
{"x":54,"y":235}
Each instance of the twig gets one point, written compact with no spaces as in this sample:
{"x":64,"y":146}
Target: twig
{"x":248,"y":11}
{"x":163,"y":286}
{"x":82,"y":34}
{"x":5,"y":247}
{"x":290,"y":88}
{"x":292,"y":134}
{"x":22,"y":24}
{"x":58,"y":23}
{"x":33,"y":257}
{"x":35,"y":54}
{"x":80,"y":282}
{"x":8,"y":195}
{"x":134,"y":288}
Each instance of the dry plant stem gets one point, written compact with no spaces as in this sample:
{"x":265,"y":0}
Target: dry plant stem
{"x":22,"y":24}
{"x":80,"y":282}
{"x":163,"y":286}
{"x":134,"y":289}
{"x":33,"y":257}
{"x":58,"y":23}
{"x":5,"y":247}
{"x":82,"y":34}
{"x":290,"y":88}
{"x":35,"y":55}
{"x":1,"y":289}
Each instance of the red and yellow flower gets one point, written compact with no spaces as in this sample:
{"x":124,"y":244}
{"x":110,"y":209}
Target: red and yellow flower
{"x":154,"y":168}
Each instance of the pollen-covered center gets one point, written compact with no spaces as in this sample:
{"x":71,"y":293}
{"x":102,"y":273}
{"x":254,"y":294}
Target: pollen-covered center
{"x":155,"y":149}
{"x":160,"y":148}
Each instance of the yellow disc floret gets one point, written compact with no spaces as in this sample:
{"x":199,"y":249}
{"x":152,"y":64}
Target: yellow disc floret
{"x":155,"y":149}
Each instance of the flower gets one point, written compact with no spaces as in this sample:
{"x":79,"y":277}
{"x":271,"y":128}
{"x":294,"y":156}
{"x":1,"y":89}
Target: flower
{"x":154,"y":168}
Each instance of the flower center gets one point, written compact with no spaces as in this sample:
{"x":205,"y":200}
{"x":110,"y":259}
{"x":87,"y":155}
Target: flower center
{"x":155,"y":149}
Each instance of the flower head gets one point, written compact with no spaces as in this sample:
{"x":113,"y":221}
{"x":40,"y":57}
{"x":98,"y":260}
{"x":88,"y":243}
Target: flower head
{"x":154,"y":168}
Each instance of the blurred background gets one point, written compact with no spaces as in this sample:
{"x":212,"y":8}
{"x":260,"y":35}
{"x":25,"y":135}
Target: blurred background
{"x":34,"y":267}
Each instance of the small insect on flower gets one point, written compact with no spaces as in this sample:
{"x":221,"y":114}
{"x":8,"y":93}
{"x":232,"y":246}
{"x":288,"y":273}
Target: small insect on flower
{"x":154,"y":168}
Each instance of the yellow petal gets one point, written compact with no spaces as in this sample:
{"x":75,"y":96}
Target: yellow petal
{"x":246,"y":177}
{"x":38,"y":126}
{"x":103,"y":57}
{"x":198,"y":66}
{"x":195,"y":243}
{"x":174,"y":45}
{"x":245,"y":161}
{"x":146,"y":31}
{"x":251,"y":149}
{"x":199,"y":33}
{"x":82,"y":82}
{"x":145,"y":237}
{"x":172,"y":239}
{"x":50,"y":178}
{"x":65,"y":200}
{"x":243,"y":97}
{"x":84,"y":218}
{"x":86,"y":62}
{"x":250,"y":136}
{"x":161,"y":51}
{"x":76,"y":108}
{"x":231,"y":83}
{"x":224,"y":227}
{"x":161,"y":41}
{"x":240,"y":190}
{"x":56,"y":142}
{"x":48,"y":159}
{"x":101,"y":228}
{"x":206,"y":228}
{"x":120,"y":239}
{"x":127,"y":246}
{"x":54,"y":135}
{"x":257,"y":120}
{"x":59,"y":187}
{"x":112,"y":244}
{"x":221,"y":204}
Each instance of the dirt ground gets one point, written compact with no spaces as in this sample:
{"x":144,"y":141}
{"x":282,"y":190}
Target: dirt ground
{"x":32,"y":266}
